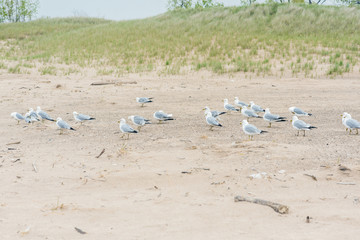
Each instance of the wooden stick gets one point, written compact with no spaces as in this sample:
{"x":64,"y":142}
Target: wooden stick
{"x":312,"y":176}
{"x":13,"y":143}
{"x":282,"y":209}
{"x":101,"y":83}
{"x":346,"y":183}
{"x":101,"y":153}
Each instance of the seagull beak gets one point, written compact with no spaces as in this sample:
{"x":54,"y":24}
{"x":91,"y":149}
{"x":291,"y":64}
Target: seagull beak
{"x":118,"y":121}
{"x":240,"y":123}
{"x":291,"y":120}
{"x":341,"y":115}
{"x":249,"y":105}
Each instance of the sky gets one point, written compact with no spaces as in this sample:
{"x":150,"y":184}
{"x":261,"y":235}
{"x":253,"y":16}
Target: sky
{"x":108,"y":9}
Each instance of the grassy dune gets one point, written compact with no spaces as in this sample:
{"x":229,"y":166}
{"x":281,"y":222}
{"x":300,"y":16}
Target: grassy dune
{"x":260,"y":39}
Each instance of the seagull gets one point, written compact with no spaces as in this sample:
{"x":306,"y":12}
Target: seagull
{"x":214,"y":113}
{"x":63,"y":125}
{"x":256,"y":108}
{"x":350,"y":123}
{"x":212,"y":121}
{"x":298,"y":112}
{"x":43,"y":115}
{"x":33,"y":115}
{"x":239,"y":103}
{"x":17,"y":116}
{"x":250,"y":129}
{"x":272,"y":117}
{"x":125,"y":128}
{"x":249,"y":113}
{"x":81,"y":117}
{"x":139,"y":121}
{"x":343,"y":118}
{"x":229,"y":107}
{"x":301,"y":125}
{"x":161,"y":116}
{"x":143,"y":100}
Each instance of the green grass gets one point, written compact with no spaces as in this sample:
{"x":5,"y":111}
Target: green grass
{"x":251,"y":39}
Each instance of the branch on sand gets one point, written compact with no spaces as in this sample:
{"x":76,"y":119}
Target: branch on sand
{"x":282,"y":209}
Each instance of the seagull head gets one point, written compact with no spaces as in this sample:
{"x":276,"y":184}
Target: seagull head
{"x":131,"y":117}
{"x":267,"y":110}
{"x":291,"y":109}
{"x":38,"y":108}
{"x":244,"y":122}
{"x":295,"y":118}
{"x":122,"y":121}
{"x":226,"y":101}
{"x":75,"y":113}
{"x":58,"y":119}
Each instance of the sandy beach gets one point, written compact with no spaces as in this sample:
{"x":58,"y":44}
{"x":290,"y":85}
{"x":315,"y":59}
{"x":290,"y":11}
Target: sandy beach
{"x":177,"y":180}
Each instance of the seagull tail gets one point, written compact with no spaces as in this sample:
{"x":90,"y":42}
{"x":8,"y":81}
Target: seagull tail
{"x":258,"y":117}
{"x":220,"y":125}
{"x":147,"y":122}
{"x":311,"y":127}
{"x":281,"y":120}
{"x":309,"y":114}
{"x":92,"y":118}
{"x":168,"y":119}
{"x":52,"y":120}
{"x":72,"y":129}
{"x":221,"y":113}
{"x":263,"y":131}
{"x":134,"y":131}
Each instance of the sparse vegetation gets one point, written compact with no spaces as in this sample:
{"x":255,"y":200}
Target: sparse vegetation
{"x":256,"y":39}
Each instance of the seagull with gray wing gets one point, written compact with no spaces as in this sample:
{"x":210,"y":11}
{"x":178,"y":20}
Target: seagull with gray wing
{"x":81,"y":117}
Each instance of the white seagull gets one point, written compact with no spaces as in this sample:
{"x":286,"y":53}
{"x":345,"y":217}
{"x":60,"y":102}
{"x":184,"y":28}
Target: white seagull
{"x":81,"y":117}
{"x":249,"y":113}
{"x":161,"y":116}
{"x":301,"y":125}
{"x":63,"y":125}
{"x":17,"y":116}
{"x":240,"y":103}
{"x":214,"y":113}
{"x":272,"y":117}
{"x":125,"y":128}
{"x":250,"y":130}
{"x":143,"y":100}
{"x":298,"y":112}
{"x":43,"y":115}
{"x":229,"y":107}
{"x":350,"y":123}
{"x":212,"y":121}
{"x":256,"y":108}
{"x":139,"y":121}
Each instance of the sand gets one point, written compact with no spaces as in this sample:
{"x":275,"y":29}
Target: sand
{"x":177,"y":180}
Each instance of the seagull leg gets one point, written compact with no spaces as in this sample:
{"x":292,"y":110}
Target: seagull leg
{"x":298,"y":133}
{"x":18,"y":122}
{"x":123,"y":136}
{"x":211,"y":128}
{"x":304,"y":133}
{"x":139,"y":128}
{"x":142,"y":105}
{"x":349,"y":131}
{"x":269,"y":125}
{"x":357,"y":131}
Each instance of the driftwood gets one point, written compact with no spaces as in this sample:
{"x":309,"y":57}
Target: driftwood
{"x":282,"y":209}
{"x":312,"y":176}
{"x":100,"y":153}
{"x":346,"y":183}
{"x":101,"y":83}
{"x":13,"y":143}
{"x":79,"y":230}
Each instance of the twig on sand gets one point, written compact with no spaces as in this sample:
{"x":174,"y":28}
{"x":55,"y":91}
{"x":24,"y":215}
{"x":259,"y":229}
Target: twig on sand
{"x":101,"y":83}
{"x":346,"y":183}
{"x":101,"y":153}
{"x":79,"y":230}
{"x":282,"y":209}
{"x":13,"y":143}
{"x":312,"y":176}
{"x":34,"y":167}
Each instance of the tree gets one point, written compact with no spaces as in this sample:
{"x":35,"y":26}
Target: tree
{"x":176,"y":4}
{"x":207,"y":4}
{"x":186,"y":4}
{"x":18,"y":10}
